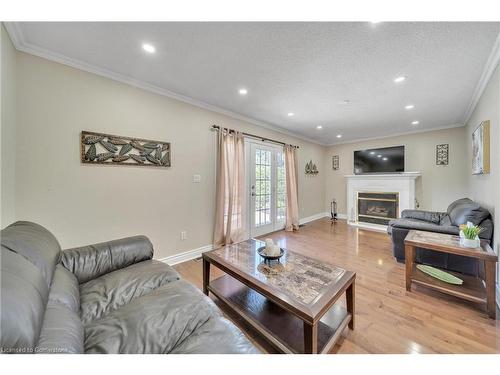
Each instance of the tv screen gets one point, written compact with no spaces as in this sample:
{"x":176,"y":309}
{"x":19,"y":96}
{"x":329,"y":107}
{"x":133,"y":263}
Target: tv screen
{"x":380,"y":160}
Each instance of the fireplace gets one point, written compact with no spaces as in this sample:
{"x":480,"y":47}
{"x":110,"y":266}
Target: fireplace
{"x":377,"y":208}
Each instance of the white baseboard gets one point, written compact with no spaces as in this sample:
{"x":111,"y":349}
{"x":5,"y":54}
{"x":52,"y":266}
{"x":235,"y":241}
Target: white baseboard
{"x":313,"y":217}
{"x":185,"y":256}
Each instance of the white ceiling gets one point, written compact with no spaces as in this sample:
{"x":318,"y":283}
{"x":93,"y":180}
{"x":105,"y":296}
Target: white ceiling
{"x":304,"y":68}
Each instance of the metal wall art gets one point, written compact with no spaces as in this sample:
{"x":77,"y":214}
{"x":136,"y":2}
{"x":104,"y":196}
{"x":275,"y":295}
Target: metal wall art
{"x":335,"y":162}
{"x":311,"y":168}
{"x":98,"y":148}
{"x":442,"y":152}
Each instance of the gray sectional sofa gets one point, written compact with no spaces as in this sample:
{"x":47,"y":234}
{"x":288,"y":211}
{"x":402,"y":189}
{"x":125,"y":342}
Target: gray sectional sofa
{"x":105,"y":298}
{"x":458,"y":212}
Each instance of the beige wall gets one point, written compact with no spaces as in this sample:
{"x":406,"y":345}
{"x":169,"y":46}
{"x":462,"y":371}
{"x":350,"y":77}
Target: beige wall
{"x":437,"y":187}
{"x":82,"y":204}
{"x":486,"y":188}
{"x":8,"y":128}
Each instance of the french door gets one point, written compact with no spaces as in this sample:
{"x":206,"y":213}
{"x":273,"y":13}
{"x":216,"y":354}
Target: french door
{"x":267,"y":188}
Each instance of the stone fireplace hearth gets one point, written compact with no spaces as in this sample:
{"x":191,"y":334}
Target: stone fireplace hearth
{"x":374,"y":200}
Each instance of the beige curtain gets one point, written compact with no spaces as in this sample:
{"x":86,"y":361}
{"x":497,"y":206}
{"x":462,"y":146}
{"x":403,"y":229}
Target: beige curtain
{"x":230,"y":194}
{"x":292,"y":201}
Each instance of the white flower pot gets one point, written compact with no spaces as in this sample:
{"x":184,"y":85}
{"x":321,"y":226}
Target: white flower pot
{"x":470,"y":243}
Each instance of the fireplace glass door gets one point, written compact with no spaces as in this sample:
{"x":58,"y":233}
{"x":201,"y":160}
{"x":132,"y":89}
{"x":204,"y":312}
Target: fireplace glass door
{"x":377,"y":208}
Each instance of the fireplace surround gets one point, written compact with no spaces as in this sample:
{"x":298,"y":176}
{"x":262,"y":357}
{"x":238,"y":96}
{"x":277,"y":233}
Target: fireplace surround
{"x":400,"y":186}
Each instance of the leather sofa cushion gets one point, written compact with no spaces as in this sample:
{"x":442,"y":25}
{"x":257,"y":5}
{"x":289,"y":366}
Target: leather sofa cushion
{"x":430,"y":216}
{"x":464,"y":210}
{"x":62,"y":331}
{"x":229,"y":339}
{"x":154,"y":323}
{"x":111,"y":291}
{"x":35,"y":243}
{"x":89,"y":262}
{"x":65,"y":289}
{"x":423,"y":225}
{"x":23,"y":301}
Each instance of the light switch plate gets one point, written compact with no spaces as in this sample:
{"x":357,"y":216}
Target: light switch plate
{"x":196,"y":178}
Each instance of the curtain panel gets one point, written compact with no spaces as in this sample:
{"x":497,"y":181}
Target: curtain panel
{"x":230,"y":225}
{"x":292,"y":201}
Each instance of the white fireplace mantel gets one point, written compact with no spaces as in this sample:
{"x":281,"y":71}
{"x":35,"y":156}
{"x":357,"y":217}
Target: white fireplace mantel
{"x":401,"y":183}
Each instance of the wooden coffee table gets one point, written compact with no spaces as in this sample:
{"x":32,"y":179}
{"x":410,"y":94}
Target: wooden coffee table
{"x":473,"y":288}
{"x":290,"y":302}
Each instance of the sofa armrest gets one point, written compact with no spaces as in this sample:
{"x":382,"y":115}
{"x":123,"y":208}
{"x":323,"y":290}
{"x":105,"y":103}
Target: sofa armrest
{"x":429,"y":216}
{"x":89,"y":262}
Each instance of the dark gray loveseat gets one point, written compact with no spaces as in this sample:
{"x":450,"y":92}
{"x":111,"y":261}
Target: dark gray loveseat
{"x":104,"y":298}
{"x":458,"y":212}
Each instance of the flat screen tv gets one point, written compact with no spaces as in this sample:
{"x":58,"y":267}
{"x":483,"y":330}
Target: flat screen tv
{"x":380,"y":160}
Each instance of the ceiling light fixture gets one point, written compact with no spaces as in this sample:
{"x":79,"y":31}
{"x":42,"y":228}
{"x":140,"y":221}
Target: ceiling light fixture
{"x":409,"y":106}
{"x":379,"y":156}
{"x":319,"y":127}
{"x":149,"y":48}
{"x":385,"y":159}
{"x":399,"y":79}
{"x":372,"y":152}
{"x":415,"y":122}
{"x":243,"y":91}
{"x":290,"y":114}
{"x":339,"y":135}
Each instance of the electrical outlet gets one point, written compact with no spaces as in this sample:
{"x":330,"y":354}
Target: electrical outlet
{"x":184,"y":235}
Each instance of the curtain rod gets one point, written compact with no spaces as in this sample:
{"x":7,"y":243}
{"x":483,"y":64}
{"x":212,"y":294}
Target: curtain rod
{"x":263,"y":139}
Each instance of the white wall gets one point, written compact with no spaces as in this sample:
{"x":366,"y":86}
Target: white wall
{"x":8,"y":129}
{"x":83,"y":204}
{"x":439,"y":184}
{"x":486,"y":188}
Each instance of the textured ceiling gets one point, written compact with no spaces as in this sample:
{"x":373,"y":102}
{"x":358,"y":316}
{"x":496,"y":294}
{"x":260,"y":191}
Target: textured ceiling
{"x":304,"y":68}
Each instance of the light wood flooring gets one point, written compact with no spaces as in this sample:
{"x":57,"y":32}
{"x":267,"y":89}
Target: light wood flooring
{"x":388,"y":319}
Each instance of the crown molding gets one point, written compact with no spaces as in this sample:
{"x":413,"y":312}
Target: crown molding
{"x":488,"y":70}
{"x":458,"y":125}
{"x":19,"y":42}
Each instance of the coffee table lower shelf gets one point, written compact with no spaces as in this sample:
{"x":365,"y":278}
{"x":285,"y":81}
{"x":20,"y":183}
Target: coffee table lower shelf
{"x":472,"y":288}
{"x":280,"y":328}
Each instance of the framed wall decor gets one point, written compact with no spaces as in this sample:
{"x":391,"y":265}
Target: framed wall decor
{"x":335,"y":162}
{"x":100,"y":148}
{"x":442,"y":154}
{"x":481,"y":149}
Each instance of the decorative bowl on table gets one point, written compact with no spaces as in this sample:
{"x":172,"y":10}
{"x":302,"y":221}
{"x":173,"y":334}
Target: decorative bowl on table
{"x":267,"y":258}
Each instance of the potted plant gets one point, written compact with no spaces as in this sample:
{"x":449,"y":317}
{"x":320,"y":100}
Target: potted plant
{"x":469,"y":235}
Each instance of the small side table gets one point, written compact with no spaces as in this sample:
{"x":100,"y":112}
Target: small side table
{"x":473,"y":288}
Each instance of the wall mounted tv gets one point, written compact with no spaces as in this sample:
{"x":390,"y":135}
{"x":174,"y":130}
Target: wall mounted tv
{"x":380,"y":160}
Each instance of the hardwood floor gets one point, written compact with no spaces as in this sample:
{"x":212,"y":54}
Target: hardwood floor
{"x":388,"y":319}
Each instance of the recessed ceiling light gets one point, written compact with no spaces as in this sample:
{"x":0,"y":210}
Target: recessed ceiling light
{"x":372,"y":152}
{"x":399,"y":79}
{"x":149,"y":48}
{"x":409,"y":106}
{"x":243,"y":91}
{"x":319,"y":127}
{"x":415,"y":122}
{"x":290,"y":114}
{"x":379,"y":156}
{"x":384,"y":158}
{"x":339,"y":135}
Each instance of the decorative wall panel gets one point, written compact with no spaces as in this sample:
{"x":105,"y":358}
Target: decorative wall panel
{"x":99,"y":148}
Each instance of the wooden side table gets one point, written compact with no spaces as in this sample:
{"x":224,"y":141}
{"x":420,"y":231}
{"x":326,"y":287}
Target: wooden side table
{"x":473,"y":288}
